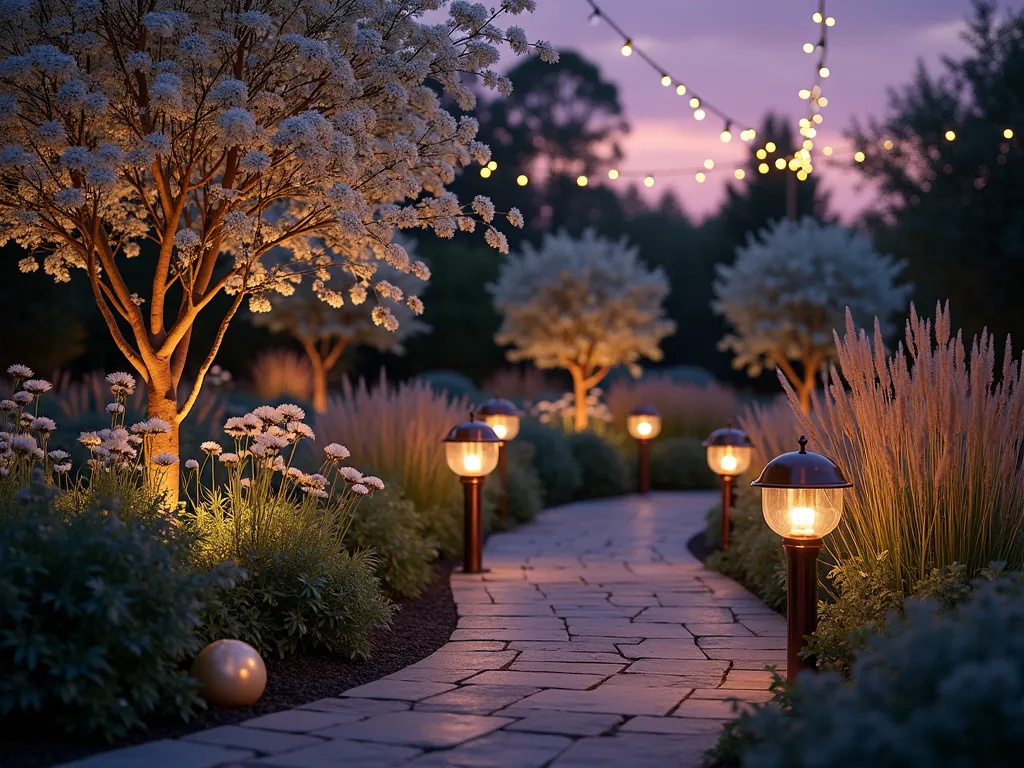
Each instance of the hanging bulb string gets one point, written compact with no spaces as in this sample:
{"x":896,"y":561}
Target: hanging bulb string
{"x":627,"y":40}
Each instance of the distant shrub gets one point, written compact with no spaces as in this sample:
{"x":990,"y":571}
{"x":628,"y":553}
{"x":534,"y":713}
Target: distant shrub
{"x":755,"y":557}
{"x":687,"y":409}
{"x":454,"y":384}
{"x":97,"y":615}
{"x":935,"y":688}
{"x":396,"y":430}
{"x":280,"y":373}
{"x":559,"y":472}
{"x":525,"y":489}
{"x":394,"y":529}
{"x":680,"y":464}
{"x":602,"y":470}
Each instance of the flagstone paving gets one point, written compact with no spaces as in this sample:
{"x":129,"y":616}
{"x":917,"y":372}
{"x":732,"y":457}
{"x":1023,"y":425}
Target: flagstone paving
{"x":595,"y":639}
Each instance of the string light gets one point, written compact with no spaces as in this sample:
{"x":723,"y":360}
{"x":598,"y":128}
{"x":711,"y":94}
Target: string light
{"x":827,"y":151}
{"x":763,"y":168}
{"x":859,"y":156}
{"x":701,"y":177}
{"x":701,"y":110}
{"x":522,"y":179}
{"x":709,"y":163}
{"x":770,"y":147}
{"x":485,"y":172}
{"x":739,"y":173}
{"x":780,"y":163}
{"x":648,"y":181}
{"x":762,"y":154}
{"x":595,"y":17}
{"x":613,"y":174}
{"x":950,"y":135}
{"x":808,"y":47}
{"x":582,"y":181}
{"x":492,"y":166}
{"x":1008,"y":133}
{"x":824,"y":72}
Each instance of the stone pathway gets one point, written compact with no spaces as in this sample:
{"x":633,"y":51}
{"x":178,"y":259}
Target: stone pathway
{"x":594,"y":640}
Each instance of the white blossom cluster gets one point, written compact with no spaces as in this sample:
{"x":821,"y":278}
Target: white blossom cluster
{"x":588,"y":302}
{"x":265,"y":441}
{"x":560,"y":412}
{"x":790,"y":286}
{"x":221,"y":130}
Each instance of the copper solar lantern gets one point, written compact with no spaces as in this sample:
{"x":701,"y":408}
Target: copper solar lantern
{"x":643,"y":425}
{"x":502,"y":416}
{"x":471,"y":449}
{"x":729,"y":455}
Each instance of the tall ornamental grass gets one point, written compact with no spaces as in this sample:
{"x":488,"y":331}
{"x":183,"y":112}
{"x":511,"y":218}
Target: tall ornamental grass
{"x":282,"y":373}
{"x":397,"y":431}
{"x":773,"y":430}
{"x":687,"y":410}
{"x":931,"y":440}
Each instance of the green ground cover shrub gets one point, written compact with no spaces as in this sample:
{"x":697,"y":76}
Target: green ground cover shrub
{"x":602,"y":471}
{"x":98,"y":611}
{"x":390,"y":525}
{"x":558,"y":470}
{"x":525,"y":490}
{"x":680,"y":464}
{"x":937,"y":687}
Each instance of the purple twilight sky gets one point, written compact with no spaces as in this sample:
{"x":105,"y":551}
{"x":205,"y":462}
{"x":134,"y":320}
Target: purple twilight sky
{"x":745,"y":57}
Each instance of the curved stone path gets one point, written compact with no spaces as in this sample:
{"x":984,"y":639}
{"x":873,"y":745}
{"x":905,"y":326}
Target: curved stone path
{"x":594,"y":640}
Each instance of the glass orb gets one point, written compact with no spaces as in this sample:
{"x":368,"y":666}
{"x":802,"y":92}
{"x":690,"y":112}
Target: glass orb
{"x":471,"y":459}
{"x":643,"y":426}
{"x":729,"y":460}
{"x":802,"y":513}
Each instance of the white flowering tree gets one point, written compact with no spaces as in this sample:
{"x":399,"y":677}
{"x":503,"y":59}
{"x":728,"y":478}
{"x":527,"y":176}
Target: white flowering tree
{"x":198,"y":136}
{"x":789,"y":289}
{"x":325,"y":329}
{"x":585,"y":305}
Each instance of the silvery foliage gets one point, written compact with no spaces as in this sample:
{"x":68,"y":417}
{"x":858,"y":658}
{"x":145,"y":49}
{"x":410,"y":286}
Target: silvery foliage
{"x":588,"y":301}
{"x":220,"y":129}
{"x":934,"y":690}
{"x":790,"y":285}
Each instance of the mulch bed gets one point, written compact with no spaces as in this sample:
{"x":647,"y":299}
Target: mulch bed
{"x":422,"y":626}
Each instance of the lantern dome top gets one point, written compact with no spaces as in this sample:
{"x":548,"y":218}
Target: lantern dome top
{"x":728,"y":436}
{"x":801,"y":469}
{"x":497,"y":406}
{"x":471,"y":431}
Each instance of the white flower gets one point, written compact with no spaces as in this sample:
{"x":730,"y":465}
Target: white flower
{"x":153,"y":426}
{"x":268,"y":444}
{"x":7,"y":405}
{"x":268,"y":414}
{"x":19,"y":371}
{"x":373,"y":482}
{"x":301,"y":430}
{"x":290,"y":412}
{"x":228,"y":459}
{"x":351,"y":474}
{"x":191,"y":464}
{"x":165,"y":459}
{"x":43,"y":424}
{"x":484,"y":208}
{"x":361,"y":489}
{"x":318,"y":492}
{"x":24,"y":444}
{"x":515,"y":218}
{"x":245,"y":482}
{"x":90,"y":439}
{"x":58,"y":455}
{"x":211,"y":448}
{"x":63,"y":467}
{"x":121,"y":383}
{"x":337,"y":452}
{"x":114,"y":408}
{"x":37,"y":386}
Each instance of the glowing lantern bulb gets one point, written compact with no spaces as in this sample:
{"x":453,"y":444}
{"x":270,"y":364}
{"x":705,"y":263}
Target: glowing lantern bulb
{"x":801,"y":521}
{"x":472,"y":462}
{"x":644,"y":428}
{"x":729,"y":463}
{"x":500,"y":431}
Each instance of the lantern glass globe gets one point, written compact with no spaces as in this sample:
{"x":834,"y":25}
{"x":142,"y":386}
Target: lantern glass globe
{"x":643,"y":426}
{"x":729,"y":460}
{"x":802,"y":513}
{"x":471,"y":459}
{"x":505,"y":426}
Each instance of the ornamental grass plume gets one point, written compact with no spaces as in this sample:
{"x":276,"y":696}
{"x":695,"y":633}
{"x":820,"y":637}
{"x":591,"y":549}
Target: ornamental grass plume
{"x":687,"y":409}
{"x":931,"y":440}
{"x":282,"y":373}
{"x":773,"y":430}
{"x":397,"y":430}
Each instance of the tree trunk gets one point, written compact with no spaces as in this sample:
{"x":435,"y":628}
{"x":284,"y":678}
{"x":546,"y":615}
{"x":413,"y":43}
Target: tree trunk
{"x":319,"y":385}
{"x":162,"y":403}
{"x":579,"y":390}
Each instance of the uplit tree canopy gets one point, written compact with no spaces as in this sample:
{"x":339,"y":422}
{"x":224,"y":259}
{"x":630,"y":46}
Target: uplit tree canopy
{"x":585,"y":305}
{"x":200,"y":135}
{"x":325,"y":332}
{"x":789,"y":289}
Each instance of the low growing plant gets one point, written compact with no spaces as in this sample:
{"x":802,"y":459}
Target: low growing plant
{"x":97,"y":615}
{"x":558,"y":470}
{"x":680,"y":464}
{"x":937,"y":687}
{"x":601,"y":467}
{"x":389,"y":525}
